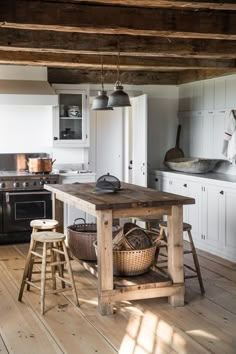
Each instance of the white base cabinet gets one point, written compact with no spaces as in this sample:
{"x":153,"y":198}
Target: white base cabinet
{"x":71,"y":213}
{"x":212,"y":216}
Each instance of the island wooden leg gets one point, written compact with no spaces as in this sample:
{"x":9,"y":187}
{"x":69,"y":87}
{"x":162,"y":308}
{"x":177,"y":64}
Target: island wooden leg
{"x":105,"y":259}
{"x":175,"y":253}
{"x":58,"y":213}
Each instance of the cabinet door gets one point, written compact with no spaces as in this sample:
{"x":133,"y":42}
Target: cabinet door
{"x":175,"y":186}
{"x":194,"y":210}
{"x":230,"y":92}
{"x":184,"y":119}
{"x":211,"y":207}
{"x":220,"y":93}
{"x":208,"y":94}
{"x":197,"y":96}
{"x":228,"y":222}
{"x":70,"y":119}
{"x":196,"y":129}
{"x":154,"y":181}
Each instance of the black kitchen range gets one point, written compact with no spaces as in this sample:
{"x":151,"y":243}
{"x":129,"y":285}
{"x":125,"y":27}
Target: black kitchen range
{"x":22,"y":196}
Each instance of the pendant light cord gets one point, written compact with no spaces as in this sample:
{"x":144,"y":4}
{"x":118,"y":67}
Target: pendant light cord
{"x":102,"y":74}
{"x":118,"y":64}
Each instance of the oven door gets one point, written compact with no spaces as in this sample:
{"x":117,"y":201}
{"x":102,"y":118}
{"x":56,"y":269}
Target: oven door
{"x":19,"y":208}
{"x":1,"y":214}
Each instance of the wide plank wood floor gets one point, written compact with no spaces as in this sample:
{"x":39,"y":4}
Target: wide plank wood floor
{"x":206,"y":324}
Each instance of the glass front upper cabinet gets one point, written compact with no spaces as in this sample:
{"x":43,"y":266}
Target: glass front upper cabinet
{"x":70,"y":121}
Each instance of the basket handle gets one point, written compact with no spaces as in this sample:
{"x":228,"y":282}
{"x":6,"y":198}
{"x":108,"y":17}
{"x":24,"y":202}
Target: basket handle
{"x":79,"y":219}
{"x":134,"y":228}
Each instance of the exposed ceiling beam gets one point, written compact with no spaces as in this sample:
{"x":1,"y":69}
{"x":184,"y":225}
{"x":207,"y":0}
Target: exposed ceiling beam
{"x":81,"y":43}
{"x":77,"y":76}
{"x":196,"y":75}
{"x":74,"y":76}
{"x":178,"y":4}
{"x":93,"y":62}
{"x":106,"y":19}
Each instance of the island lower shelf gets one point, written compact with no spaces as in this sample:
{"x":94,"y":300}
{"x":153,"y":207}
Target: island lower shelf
{"x":149,"y":285}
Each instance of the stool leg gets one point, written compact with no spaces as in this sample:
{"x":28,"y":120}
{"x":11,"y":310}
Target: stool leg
{"x":31,"y":264}
{"x":53,"y":268}
{"x":70,"y":273}
{"x":196,"y":263}
{"x":59,"y":258}
{"x":26,"y":270}
{"x":43,"y":277}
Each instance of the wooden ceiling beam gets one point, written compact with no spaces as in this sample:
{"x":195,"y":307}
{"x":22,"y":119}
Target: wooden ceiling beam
{"x":177,"y":4}
{"x":80,"y":43}
{"x":107,"y":19}
{"x":75,"y":76}
{"x":196,"y":75}
{"x":93,"y":62}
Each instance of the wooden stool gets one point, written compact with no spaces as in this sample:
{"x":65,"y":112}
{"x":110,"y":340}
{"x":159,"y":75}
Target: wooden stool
{"x":149,"y":220}
{"x":43,"y":225}
{"x":186,"y":228}
{"x":55,"y":243}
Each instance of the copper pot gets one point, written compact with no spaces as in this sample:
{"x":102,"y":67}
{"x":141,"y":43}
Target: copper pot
{"x":40,"y":165}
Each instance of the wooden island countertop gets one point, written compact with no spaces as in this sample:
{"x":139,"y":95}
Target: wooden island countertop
{"x":130,"y":201}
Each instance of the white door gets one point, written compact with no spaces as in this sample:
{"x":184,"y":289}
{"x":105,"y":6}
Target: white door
{"x":139,"y":140}
{"x":106,"y":150}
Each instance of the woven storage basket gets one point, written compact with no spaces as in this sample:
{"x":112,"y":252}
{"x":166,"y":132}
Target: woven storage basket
{"x":81,"y":238}
{"x":133,"y":262}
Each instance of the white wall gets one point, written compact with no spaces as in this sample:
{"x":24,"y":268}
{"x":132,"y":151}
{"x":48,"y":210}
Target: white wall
{"x":29,"y":129}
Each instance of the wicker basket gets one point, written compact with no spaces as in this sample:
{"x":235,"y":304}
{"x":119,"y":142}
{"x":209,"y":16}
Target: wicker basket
{"x":133,"y":262}
{"x":81,"y":238}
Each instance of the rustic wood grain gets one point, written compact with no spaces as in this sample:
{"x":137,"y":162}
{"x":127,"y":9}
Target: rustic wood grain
{"x":160,"y":42}
{"x":121,"y":19}
{"x":130,"y":196}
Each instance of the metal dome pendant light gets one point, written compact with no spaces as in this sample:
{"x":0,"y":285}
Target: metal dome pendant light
{"x":118,"y":97}
{"x":100,"y":102}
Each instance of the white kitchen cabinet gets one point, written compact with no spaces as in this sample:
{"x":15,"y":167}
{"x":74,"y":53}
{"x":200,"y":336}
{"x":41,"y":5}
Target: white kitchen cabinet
{"x":197,"y":101}
{"x":71,"y":117}
{"x":208,"y":94}
{"x":185,"y":96}
{"x":220,"y":97}
{"x":212,"y":216}
{"x":175,"y":186}
{"x":230,"y":92}
{"x":71,"y":213}
{"x":228,"y":222}
{"x":202,"y":133}
{"x":196,"y":134}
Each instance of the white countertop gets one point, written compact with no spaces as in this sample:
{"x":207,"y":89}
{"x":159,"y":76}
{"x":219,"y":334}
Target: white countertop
{"x":205,"y":177}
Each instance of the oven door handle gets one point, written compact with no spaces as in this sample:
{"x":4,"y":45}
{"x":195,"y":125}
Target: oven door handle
{"x":8,"y":194}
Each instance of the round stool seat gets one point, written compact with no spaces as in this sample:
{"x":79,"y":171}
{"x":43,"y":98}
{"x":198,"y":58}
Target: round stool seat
{"x":47,"y":236}
{"x":186,"y":227}
{"x":44,"y":224}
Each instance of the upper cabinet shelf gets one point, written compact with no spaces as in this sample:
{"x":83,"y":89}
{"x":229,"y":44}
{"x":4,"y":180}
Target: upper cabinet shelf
{"x":71,"y":117}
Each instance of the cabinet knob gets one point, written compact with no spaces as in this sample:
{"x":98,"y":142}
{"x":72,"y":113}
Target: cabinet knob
{"x":55,"y":138}
{"x":156,"y":179}
{"x":222,"y":192}
{"x":185,"y":185}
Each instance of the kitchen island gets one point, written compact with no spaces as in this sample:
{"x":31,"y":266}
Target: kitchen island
{"x":130,"y":201}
